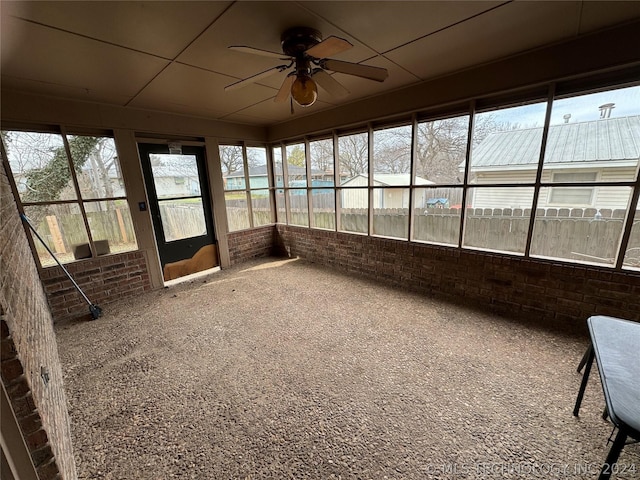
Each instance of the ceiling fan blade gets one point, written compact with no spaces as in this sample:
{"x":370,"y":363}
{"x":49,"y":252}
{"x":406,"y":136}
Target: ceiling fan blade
{"x":329,"y":83}
{"x":328,"y":47}
{"x":258,"y":51}
{"x":285,"y":88}
{"x":255,"y":78}
{"x":365,"y":71}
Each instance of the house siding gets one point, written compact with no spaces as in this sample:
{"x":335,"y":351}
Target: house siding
{"x":502,"y":197}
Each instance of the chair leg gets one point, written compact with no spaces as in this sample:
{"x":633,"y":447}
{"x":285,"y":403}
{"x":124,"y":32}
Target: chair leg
{"x":614,"y":453}
{"x":590,"y":354}
{"x":584,"y":358}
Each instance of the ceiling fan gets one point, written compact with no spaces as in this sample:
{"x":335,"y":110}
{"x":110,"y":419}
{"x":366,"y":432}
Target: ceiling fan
{"x":307,"y":53}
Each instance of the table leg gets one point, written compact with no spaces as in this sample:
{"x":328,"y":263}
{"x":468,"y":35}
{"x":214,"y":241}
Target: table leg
{"x":590,"y":354}
{"x":614,"y":453}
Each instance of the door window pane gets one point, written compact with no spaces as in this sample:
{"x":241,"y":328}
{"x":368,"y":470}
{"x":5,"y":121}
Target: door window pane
{"x":506,"y":144}
{"x":39,"y":166}
{"x":175,"y":176}
{"x":182,"y":218}
{"x":441,"y":150}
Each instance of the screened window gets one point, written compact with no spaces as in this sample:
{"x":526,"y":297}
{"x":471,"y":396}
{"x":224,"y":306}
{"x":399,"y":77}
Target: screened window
{"x":560,"y":190}
{"x":593,"y":147}
{"x":323,"y":203}
{"x":76,"y":202}
{"x":246,"y":183}
{"x":632,"y":255}
{"x":353,"y":169}
{"x":441,"y":150}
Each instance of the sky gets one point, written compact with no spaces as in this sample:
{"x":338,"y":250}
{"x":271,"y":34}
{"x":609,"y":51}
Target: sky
{"x":582,"y":108}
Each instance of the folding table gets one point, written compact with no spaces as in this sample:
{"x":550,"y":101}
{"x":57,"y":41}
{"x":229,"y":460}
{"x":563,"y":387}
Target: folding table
{"x":615,"y":345}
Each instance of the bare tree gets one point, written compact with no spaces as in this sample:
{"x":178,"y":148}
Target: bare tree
{"x":392,"y":150}
{"x":353,"y":154}
{"x":322,"y":154}
{"x":442,"y":145}
{"x":231,"y":159}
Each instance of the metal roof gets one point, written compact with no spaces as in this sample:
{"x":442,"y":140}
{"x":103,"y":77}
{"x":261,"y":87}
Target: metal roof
{"x":593,"y":141}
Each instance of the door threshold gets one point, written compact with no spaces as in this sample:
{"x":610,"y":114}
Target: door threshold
{"x":192,"y":276}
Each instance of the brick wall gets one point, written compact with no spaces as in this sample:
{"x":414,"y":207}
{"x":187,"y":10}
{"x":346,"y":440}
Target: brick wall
{"x":102,"y":279}
{"x":248,"y":244}
{"x":29,"y":349}
{"x":561,"y":293}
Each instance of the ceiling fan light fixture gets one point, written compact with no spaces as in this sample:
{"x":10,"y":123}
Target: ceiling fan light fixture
{"x":304,"y":91}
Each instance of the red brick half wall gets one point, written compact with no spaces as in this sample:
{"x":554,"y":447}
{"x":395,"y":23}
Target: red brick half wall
{"x":31,"y":369}
{"x":518,"y":287}
{"x":102,"y":279}
{"x":255,"y":243}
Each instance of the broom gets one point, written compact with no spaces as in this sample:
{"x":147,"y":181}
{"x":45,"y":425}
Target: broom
{"x":95,"y":310}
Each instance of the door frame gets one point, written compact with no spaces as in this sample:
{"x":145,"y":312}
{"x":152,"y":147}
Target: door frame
{"x":172,"y":251}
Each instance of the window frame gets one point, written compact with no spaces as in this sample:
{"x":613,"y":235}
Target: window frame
{"x":546,"y":95}
{"x":247,"y":189}
{"x":80,"y":201}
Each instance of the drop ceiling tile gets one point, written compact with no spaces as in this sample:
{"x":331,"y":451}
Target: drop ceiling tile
{"x":159,"y":28}
{"x":63,"y":91}
{"x":199,"y":90}
{"x":403,"y":21}
{"x":504,"y":31}
{"x":259,"y":25}
{"x":597,"y":15}
{"x":362,"y":87}
{"x":51,"y":56}
{"x":270,"y":112}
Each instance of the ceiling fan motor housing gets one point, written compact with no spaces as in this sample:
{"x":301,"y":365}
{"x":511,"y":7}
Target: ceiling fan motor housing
{"x":297,"y":40}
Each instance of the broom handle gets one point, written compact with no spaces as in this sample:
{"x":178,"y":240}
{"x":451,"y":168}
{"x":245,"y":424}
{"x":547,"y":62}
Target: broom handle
{"x":26,"y":220}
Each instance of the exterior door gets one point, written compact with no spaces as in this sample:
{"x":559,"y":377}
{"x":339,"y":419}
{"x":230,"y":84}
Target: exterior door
{"x":180,"y":206}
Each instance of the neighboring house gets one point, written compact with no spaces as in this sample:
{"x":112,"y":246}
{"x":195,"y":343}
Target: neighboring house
{"x":382,"y":197}
{"x":596,"y":151}
{"x":258,"y":178}
{"x":175,"y":178}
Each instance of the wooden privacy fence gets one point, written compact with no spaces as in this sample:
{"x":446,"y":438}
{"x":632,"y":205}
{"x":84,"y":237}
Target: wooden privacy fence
{"x":577,"y":234}
{"x":182,"y":220}
{"x":63,"y":231}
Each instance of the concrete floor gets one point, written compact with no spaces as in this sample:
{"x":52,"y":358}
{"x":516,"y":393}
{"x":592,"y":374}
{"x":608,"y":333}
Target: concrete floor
{"x":282,"y":369}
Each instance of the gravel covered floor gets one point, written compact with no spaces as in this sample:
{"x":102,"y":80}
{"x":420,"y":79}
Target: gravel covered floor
{"x":283,"y":369}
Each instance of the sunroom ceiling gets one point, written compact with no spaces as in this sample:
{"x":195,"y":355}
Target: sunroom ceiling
{"x":173,"y":56}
